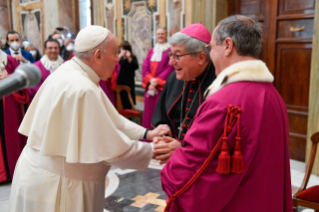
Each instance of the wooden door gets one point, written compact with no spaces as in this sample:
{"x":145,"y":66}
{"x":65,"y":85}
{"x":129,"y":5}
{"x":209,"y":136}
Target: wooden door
{"x":288,"y":29}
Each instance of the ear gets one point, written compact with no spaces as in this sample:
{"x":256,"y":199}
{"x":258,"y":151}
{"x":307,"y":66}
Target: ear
{"x":201,"y":57}
{"x":98,"y":57}
{"x":229,"y":46}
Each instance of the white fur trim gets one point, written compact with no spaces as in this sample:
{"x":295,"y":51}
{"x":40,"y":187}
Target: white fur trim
{"x":3,"y":61}
{"x":51,"y":65}
{"x":158,"y":51}
{"x":251,"y":70}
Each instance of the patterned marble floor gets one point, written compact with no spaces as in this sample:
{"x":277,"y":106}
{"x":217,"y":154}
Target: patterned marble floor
{"x":140,"y":191}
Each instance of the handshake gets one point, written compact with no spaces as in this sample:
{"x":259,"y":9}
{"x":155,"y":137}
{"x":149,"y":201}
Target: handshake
{"x":164,"y":146}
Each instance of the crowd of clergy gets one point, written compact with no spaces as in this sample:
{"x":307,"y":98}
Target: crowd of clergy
{"x":211,"y":115}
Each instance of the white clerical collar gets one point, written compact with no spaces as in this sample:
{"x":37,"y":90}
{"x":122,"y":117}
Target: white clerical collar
{"x":51,"y":65}
{"x":3,"y":61}
{"x":12,"y":52}
{"x":162,"y":46}
{"x":158,"y":51}
{"x":90,"y":72}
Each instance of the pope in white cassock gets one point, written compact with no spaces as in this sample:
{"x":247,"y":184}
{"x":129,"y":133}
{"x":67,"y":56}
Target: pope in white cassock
{"x":75,"y":134}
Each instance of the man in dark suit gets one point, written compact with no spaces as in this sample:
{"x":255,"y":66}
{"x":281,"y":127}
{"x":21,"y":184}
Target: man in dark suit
{"x":13,"y":41}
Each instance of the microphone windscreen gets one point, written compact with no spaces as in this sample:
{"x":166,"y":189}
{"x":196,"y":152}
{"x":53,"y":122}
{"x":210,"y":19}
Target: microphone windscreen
{"x":31,"y":72}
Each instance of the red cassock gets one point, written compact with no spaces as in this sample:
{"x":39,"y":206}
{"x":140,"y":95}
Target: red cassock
{"x":265,"y":183}
{"x":12,"y":112}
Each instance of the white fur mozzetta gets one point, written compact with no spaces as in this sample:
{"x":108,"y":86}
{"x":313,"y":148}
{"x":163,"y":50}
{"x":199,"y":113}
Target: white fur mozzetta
{"x":3,"y":61}
{"x":251,"y":70}
{"x":51,"y":65}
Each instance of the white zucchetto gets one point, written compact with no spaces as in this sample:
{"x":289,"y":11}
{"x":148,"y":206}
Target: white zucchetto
{"x":90,"y":37}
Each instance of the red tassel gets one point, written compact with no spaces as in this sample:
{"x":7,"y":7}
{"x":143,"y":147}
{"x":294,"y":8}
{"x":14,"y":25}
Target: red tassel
{"x":224,"y":159}
{"x":237,"y":158}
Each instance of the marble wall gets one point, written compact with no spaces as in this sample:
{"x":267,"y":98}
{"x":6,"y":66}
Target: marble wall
{"x":5,"y":17}
{"x":67,"y":14}
{"x":175,"y":14}
{"x":137,"y":20}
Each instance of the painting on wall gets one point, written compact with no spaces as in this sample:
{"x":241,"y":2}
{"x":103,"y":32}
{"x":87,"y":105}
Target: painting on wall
{"x":140,"y":20}
{"x":110,"y":16}
{"x":31,"y":27}
{"x":175,"y":14}
{"x":5,"y":19}
{"x":24,"y":2}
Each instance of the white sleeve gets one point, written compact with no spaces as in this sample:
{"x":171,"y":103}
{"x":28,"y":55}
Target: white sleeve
{"x":138,"y":156}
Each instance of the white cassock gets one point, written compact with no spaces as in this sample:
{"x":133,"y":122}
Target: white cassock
{"x":74,"y":135}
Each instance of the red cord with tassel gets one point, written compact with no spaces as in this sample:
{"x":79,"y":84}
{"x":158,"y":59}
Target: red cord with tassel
{"x":224,"y":160}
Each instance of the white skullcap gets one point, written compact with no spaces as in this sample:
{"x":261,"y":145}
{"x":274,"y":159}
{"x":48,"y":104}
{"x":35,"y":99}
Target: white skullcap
{"x":90,"y":37}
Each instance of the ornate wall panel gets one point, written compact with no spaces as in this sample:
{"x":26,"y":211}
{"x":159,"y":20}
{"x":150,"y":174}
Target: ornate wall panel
{"x":110,"y":15}
{"x":67,"y":14}
{"x":139,"y":21}
{"x":175,"y":16}
{"x":31,"y":26}
{"x":5,"y":17}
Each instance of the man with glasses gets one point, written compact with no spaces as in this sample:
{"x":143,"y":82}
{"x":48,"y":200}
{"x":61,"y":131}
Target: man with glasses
{"x":184,"y":89}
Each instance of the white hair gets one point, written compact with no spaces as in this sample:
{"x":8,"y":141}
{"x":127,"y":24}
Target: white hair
{"x":191,"y":44}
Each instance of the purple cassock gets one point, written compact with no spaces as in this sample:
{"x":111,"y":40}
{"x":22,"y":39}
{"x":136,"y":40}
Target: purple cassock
{"x":159,"y":70}
{"x":109,"y":85}
{"x":45,"y":73}
{"x":265,"y":183}
{"x":11,"y":115}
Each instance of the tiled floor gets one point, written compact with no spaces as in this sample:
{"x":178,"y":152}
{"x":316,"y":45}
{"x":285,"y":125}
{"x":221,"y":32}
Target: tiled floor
{"x":134,"y":191}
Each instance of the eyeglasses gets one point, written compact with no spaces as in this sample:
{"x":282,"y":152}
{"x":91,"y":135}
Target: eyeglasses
{"x":208,"y":47}
{"x":177,"y":56}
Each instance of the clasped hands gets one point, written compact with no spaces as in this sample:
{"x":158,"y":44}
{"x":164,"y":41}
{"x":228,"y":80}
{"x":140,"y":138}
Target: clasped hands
{"x":164,"y":146}
{"x":153,"y":84}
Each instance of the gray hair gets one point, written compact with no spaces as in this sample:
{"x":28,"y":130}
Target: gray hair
{"x":191,"y":44}
{"x":89,"y":53}
{"x":245,"y":33}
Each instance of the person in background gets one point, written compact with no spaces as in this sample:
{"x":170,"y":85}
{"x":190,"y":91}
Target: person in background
{"x":66,"y":45}
{"x":34,"y":51}
{"x":13,"y":41}
{"x":12,"y":110}
{"x":50,"y":61}
{"x":31,"y":48}
{"x":156,"y":69}
{"x":126,"y":76}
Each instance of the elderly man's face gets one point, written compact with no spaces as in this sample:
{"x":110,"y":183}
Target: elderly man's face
{"x":110,"y":57}
{"x":217,"y":54}
{"x":186,"y":66}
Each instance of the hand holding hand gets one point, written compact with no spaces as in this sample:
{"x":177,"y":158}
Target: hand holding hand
{"x":164,"y":148}
{"x":162,"y":129}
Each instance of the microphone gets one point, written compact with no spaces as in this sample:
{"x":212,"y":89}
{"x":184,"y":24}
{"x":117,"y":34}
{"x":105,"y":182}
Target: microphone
{"x":25,"y":76}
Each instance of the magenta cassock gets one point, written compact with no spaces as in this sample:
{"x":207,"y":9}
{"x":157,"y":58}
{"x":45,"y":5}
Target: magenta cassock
{"x":265,"y":185}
